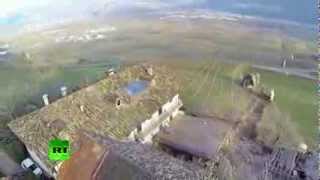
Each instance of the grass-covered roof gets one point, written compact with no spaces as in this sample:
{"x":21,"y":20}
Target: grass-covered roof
{"x":91,"y":109}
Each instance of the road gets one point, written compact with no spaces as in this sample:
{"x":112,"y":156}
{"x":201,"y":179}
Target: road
{"x":303,"y":73}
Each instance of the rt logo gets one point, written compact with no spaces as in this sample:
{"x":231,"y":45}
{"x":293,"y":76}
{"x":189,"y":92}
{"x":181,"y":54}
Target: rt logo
{"x":58,"y":150}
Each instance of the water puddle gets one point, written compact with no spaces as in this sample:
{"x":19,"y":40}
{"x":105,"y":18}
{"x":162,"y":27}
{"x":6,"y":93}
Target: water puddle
{"x":136,"y":87}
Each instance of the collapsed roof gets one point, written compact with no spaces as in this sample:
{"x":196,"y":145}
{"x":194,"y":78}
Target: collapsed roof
{"x":196,"y":136}
{"x":105,"y":158}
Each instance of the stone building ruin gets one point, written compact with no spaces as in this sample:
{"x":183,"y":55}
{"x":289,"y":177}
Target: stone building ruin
{"x":108,"y":107}
{"x":251,"y":80}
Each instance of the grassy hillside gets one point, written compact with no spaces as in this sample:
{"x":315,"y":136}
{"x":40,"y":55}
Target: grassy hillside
{"x":212,"y":88}
{"x":297,"y":98}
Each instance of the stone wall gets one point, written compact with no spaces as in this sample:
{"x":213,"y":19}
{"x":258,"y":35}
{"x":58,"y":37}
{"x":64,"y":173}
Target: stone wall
{"x":158,"y":119}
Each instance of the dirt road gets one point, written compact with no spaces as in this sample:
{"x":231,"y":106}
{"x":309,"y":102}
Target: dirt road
{"x":250,"y":121}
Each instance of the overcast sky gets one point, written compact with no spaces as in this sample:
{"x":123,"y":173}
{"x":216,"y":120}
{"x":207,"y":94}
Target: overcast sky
{"x":15,"y":12}
{"x":34,"y":11}
{"x":14,"y":6}
{"x":9,"y":7}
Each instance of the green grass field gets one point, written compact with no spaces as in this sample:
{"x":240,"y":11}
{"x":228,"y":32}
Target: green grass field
{"x":212,"y":87}
{"x":23,"y":83}
{"x":297,"y":98}
{"x":211,"y":84}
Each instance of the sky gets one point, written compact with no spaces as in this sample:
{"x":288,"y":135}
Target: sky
{"x":9,"y":7}
{"x":17,"y":12}
{"x":13,"y":6}
{"x":29,"y":11}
